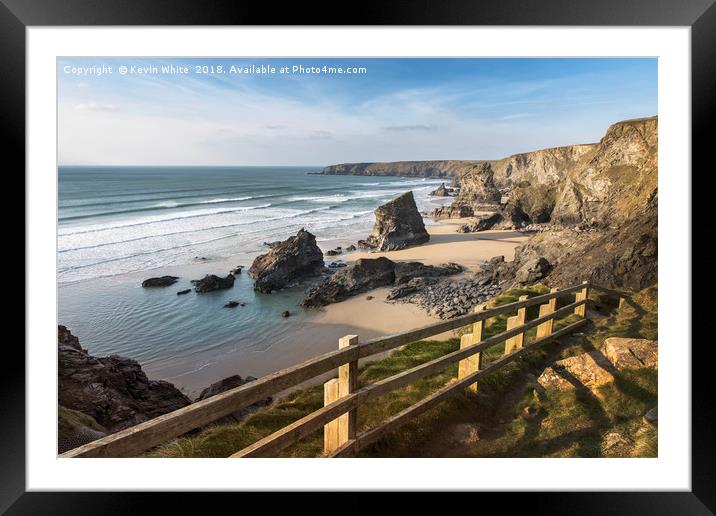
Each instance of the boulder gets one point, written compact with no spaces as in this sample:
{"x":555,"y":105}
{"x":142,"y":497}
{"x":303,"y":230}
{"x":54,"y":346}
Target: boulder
{"x":229,"y":383}
{"x":231,"y":304}
{"x":182,"y":292}
{"x":406,"y":271}
{"x":366,"y":274}
{"x":211,"y":282}
{"x":163,"y":281}
{"x":480,"y":224}
{"x":589,"y":370}
{"x":532,"y":271}
{"x":364,"y":244}
{"x":285,"y":313}
{"x":287,"y":263}
{"x":333,"y":252}
{"x":351,"y":248}
{"x":626,"y":353}
{"x":455,"y":211}
{"x":398,"y":224}
{"x":113,"y":390}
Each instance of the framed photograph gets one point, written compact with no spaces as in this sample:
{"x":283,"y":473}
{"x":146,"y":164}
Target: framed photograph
{"x":423,"y":251}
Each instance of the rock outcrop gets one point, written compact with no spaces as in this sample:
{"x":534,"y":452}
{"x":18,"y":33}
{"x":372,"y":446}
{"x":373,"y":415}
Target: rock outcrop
{"x":211,"y":282}
{"x":287,"y":263}
{"x":398,"y":225}
{"x":588,"y":370}
{"x":368,"y":274}
{"x":113,"y":390}
{"x":441,"y":191}
{"x":227,"y":384}
{"x":596,"y":368}
{"x":163,"y":281}
{"x":626,"y":353}
{"x":452,"y":212}
{"x":477,"y":187}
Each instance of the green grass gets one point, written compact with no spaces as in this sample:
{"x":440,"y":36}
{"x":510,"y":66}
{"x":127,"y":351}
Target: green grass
{"x":570,"y":423}
{"x":69,"y":421}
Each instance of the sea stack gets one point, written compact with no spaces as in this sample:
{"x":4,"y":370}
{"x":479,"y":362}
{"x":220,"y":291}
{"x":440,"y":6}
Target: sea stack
{"x":398,"y":225}
{"x":287,"y":263}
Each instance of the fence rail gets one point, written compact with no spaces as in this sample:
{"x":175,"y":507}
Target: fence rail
{"x":342,"y":397}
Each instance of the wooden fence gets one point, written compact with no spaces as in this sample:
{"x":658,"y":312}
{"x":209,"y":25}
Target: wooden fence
{"x":342,"y":397}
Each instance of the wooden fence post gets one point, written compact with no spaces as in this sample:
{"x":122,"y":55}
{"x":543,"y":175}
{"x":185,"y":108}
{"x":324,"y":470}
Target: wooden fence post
{"x":343,"y":428}
{"x":545,"y":329}
{"x":518,"y":340}
{"x":473,"y":363}
{"x":347,"y":383}
{"x":581,"y":310}
{"x":330,"y":430}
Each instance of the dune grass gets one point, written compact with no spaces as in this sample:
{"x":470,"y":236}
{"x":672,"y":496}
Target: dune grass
{"x":564,"y":418}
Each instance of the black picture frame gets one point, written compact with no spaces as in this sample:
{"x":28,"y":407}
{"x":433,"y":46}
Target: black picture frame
{"x":700,"y":15}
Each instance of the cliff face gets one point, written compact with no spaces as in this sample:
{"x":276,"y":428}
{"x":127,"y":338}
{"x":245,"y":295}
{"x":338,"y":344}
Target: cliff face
{"x":615,"y":180}
{"x":611,"y":189}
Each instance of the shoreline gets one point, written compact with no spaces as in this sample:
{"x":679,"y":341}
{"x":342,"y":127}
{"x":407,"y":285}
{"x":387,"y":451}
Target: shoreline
{"x":307,"y":333}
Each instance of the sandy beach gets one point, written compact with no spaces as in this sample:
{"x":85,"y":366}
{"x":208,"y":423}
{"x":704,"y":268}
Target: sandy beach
{"x":373,"y":317}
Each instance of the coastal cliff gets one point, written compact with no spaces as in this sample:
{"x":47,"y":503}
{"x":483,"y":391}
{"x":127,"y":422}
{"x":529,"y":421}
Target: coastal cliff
{"x":438,"y":168}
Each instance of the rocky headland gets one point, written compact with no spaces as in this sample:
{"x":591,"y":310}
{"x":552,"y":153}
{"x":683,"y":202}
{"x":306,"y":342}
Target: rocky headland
{"x":102,"y":395}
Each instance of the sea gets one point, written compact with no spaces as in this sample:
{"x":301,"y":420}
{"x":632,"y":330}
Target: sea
{"x":120,"y":225}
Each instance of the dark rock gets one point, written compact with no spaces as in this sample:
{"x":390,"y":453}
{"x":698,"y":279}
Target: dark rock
{"x":337,"y":265}
{"x":285,"y":313}
{"x":412,"y":286}
{"x":290,"y":261}
{"x":227,"y":384}
{"x":237,"y":270}
{"x":398,"y":224}
{"x":532,"y":271}
{"x":366,"y":274}
{"x":481,"y":224}
{"x":211,"y":282}
{"x":231,"y":304}
{"x":182,"y":292}
{"x":456,"y":211}
{"x":113,"y":390}
{"x":272,"y":244}
{"x":368,"y":298}
{"x":364,"y":244}
{"x":351,"y":248}
{"x":333,"y":252}
{"x":440,"y":191}
{"x":163,"y":281}
{"x":406,"y":271}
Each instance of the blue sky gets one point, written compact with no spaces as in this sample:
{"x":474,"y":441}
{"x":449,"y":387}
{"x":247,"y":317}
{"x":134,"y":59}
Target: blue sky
{"x":400,"y":109}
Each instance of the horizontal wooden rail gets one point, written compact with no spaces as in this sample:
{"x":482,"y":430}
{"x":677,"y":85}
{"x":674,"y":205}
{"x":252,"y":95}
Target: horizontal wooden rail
{"x":280,"y":439}
{"x":352,"y":447}
{"x":133,"y":441}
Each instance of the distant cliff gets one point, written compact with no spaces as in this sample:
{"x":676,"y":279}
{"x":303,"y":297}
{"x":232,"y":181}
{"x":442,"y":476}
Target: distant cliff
{"x":437,"y":169}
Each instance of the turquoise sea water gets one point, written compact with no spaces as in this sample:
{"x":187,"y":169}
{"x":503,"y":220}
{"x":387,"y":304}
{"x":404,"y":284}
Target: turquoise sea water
{"x":120,"y":225}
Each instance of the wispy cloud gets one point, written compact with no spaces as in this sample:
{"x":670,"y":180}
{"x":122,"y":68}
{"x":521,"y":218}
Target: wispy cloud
{"x":412,"y":127}
{"x":95,"y":106}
